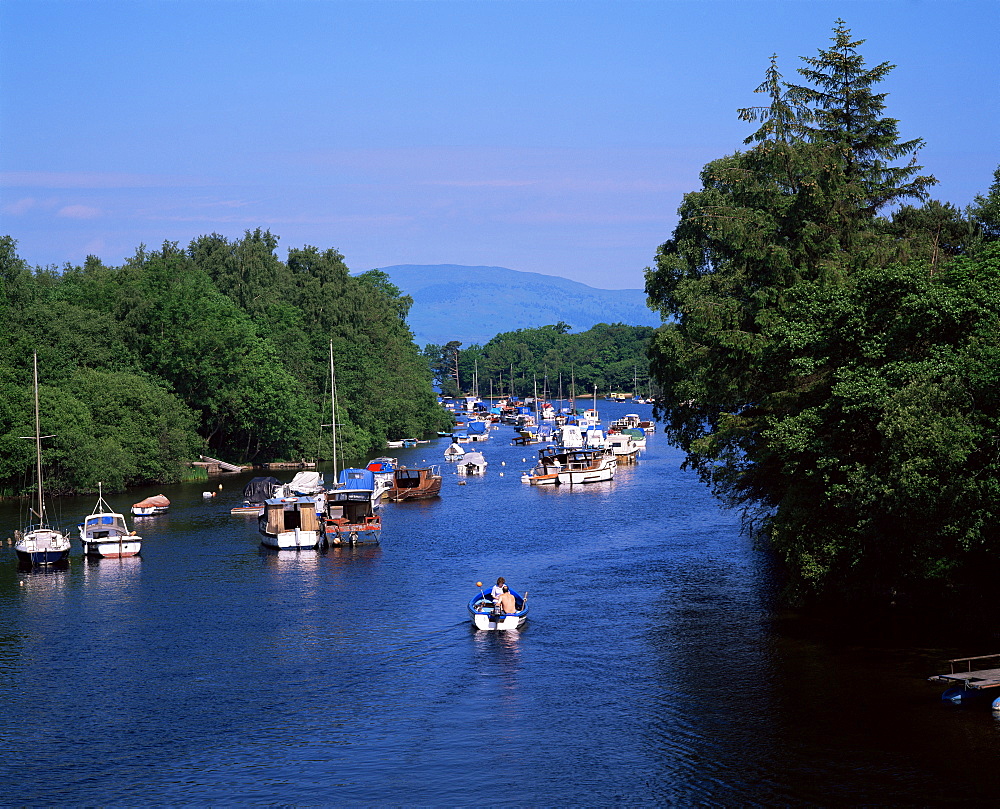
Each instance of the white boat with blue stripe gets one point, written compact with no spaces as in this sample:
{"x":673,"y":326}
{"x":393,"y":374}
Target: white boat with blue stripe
{"x":487,"y":615}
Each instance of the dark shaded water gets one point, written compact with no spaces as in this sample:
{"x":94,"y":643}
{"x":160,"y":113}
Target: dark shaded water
{"x":654,"y":668}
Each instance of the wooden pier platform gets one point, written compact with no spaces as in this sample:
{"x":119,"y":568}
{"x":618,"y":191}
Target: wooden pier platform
{"x":215,"y":466}
{"x":981,"y":677}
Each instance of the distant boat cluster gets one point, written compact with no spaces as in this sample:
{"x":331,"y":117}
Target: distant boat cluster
{"x":305,"y":513}
{"x":578,"y":449}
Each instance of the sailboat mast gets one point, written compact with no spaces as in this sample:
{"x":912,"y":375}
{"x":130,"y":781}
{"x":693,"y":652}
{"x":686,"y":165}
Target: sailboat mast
{"x":38,"y":447}
{"x":333,"y":412}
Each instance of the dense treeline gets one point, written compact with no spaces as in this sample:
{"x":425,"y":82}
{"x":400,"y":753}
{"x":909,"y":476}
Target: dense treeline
{"x":830,"y":358}
{"x":219,"y":348}
{"x":606,"y":357}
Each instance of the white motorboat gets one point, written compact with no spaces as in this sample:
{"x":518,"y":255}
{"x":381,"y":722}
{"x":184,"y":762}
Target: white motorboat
{"x":453,"y":452}
{"x":487,"y":615}
{"x":289,"y":523}
{"x":384,"y":470}
{"x":105,"y":533}
{"x":624,"y":447}
{"x":638,"y":437}
{"x":472,"y":464}
{"x":303,"y":484}
{"x":572,"y":466}
{"x":40,"y":543}
{"x":587,"y":466}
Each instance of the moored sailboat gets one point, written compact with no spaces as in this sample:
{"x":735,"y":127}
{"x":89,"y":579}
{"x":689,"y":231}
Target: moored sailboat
{"x":40,"y":543}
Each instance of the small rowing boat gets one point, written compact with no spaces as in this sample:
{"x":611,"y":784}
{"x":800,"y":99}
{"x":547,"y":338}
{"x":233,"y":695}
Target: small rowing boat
{"x":487,"y":615}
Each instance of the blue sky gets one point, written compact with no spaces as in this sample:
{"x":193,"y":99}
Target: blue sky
{"x":550,"y":137}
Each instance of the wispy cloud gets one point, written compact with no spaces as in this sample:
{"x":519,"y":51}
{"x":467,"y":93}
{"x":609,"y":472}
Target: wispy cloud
{"x":21,"y":206}
{"x":94,"y":179}
{"x":481,"y":183}
{"x":269,"y":221}
{"x":78,"y":212}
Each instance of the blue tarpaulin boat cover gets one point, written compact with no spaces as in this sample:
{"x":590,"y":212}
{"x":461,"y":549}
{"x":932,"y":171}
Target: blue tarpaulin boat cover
{"x":356,"y":479}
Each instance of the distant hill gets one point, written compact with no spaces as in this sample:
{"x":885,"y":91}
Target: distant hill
{"x":473,"y":304}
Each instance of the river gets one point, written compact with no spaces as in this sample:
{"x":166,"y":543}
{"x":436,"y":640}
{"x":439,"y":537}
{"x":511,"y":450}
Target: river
{"x":655,"y":667}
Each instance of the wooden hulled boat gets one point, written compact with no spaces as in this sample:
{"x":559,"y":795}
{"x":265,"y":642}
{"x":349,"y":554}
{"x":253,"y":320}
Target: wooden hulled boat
{"x":415,"y":484}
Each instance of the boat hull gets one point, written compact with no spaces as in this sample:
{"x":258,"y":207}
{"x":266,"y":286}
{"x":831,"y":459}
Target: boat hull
{"x":414,"y":484}
{"x":42,"y":558}
{"x":113,"y":549}
{"x":291,"y":540}
{"x":42,"y":547}
{"x":147,"y":511}
{"x":543,"y":480}
{"x":353,"y":534}
{"x":492,"y":624}
{"x":483,"y":618}
{"x":576,"y":478}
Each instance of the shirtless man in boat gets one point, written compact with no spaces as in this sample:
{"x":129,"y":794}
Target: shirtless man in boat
{"x":507,"y":602}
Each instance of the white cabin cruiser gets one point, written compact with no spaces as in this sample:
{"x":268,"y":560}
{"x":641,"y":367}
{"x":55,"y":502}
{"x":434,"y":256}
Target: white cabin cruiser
{"x":105,"y":533}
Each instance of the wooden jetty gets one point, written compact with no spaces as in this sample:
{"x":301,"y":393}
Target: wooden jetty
{"x":214,"y":466}
{"x":288,"y":465}
{"x":969,"y":681}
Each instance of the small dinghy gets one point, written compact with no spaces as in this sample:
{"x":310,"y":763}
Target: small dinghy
{"x":156,"y":504}
{"x":487,"y":615}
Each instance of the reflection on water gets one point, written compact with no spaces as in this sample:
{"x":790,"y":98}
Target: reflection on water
{"x":111,"y":574}
{"x":44,"y":585}
{"x":290,"y":559}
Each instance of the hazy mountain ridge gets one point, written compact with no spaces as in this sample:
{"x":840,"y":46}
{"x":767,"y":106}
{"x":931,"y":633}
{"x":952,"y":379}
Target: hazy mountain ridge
{"x":473,"y":304}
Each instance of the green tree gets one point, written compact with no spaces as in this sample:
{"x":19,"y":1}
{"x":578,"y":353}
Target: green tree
{"x":767,"y":259}
{"x":985,"y":210}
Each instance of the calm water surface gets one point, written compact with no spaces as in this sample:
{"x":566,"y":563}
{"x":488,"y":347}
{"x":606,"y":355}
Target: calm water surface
{"x":654,"y":668}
